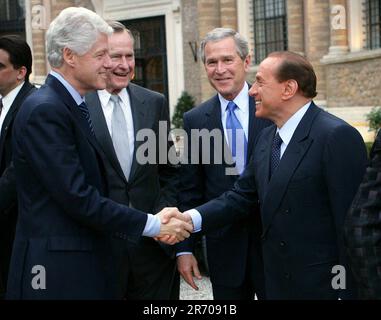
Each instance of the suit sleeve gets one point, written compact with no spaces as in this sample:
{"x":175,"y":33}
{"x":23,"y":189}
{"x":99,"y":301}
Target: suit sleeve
{"x":344,"y":162}
{"x":8,"y":194}
{"x":168,"y":172}
{"x":50,"y":145}
{"x":191,"y":192}
{"x":232,"y":205}
{"x":363,"y":228}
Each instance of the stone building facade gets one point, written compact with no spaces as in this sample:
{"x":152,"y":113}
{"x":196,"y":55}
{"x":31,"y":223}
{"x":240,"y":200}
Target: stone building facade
{"x":332,"y":34}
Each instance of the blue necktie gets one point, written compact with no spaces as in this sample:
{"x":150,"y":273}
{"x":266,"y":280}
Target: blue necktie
{"x":236,"y":137}
{"x":275,"y":153}
{"x":85,"y":112}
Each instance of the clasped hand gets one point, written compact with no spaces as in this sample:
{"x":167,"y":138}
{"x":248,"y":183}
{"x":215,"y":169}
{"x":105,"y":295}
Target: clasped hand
{"x":175,"y":226}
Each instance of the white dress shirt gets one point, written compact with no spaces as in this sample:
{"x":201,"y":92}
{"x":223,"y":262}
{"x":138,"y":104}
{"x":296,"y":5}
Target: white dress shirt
{"x":288,"y":129}
{"x":7,"y":102}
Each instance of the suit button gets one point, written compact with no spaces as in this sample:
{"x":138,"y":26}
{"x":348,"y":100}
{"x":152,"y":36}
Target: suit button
{"x":287,"y":211}
{"x":287,"y":276}
{"x":263,"y":238}
{"x":282,"y":243}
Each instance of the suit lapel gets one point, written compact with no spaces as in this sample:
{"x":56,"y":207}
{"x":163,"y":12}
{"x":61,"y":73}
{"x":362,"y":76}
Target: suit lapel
{"x":68,"y":100}
{"x":252,"y":128}
{"x":262,"y":156}
{"x":24,"y":91}
{"x":139,"y":111}
{"x":101,"y":131}
{"x":294,"y":154}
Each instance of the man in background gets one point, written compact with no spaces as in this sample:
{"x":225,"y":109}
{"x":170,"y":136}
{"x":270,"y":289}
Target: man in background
{"x":234,"y":252}
{"x":15,"y":69}
{"x":148,"y":187}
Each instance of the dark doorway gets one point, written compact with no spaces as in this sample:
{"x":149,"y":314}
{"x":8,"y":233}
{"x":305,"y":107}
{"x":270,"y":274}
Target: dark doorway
{"x":150,"y":53}
{"x":12,"y":17}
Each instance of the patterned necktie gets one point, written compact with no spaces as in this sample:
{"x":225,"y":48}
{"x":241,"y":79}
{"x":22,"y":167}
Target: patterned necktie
{"x":85,"y":112}
{"x":120,"y":136}
{"x":236,"y":137}
{"x":275,"y":153}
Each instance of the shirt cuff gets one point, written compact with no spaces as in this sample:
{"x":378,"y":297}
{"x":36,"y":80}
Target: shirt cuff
{"x":196,"y":219}
{"x":152,"y":228}
{"x":183,"y":253}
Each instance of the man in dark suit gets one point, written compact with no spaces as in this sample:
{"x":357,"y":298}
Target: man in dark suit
{"x":15,"y":68}
{"x":148,"y":187}
{"x":63,"y":247}
{"x":363,"y":228}
{"x":234,"y":252}
{"x":304,"y":171}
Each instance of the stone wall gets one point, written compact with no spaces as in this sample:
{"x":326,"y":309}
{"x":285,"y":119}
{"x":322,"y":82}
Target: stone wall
{"x":355,"y":83}
{"x":192,"y":68}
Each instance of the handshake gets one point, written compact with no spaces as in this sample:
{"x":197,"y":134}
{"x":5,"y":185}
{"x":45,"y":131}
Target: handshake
{"x":174,"y":226}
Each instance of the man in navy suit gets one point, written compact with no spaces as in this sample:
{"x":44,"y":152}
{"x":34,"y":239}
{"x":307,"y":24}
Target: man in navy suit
{"x":234,"y":252}
{"x":15,"y":68}
{"x":304,"y":171}
{"x":148,"y":187}
{"x":63,"y":243}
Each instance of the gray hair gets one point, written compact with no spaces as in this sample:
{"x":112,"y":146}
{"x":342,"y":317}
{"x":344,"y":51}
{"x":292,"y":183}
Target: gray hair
{"x":119,"y":27}
{"x":74,"y":28}
{"x":218,"y":34}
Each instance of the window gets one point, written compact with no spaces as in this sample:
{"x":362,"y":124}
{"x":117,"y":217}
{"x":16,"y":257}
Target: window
{"x":150,"y":53}
{"x":270,"y":27}
{"x":12,"y":17}
{"x":373,"y":24}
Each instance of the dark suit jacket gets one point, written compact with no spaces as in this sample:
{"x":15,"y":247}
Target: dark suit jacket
{"x":229,"y":248}
{"x":303,"y":206}
{"x":363,"y":228}
{"x":65,"y":223}
{"x":150,"y":187}
{"x":8,"y":196}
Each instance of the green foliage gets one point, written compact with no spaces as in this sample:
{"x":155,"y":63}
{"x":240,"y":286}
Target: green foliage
{"x":368,"y":146}
{"x":185,"y":103}
{"x":374,"y":119}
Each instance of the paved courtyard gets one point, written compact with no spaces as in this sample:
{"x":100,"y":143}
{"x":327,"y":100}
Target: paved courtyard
{"x":204,"y":290}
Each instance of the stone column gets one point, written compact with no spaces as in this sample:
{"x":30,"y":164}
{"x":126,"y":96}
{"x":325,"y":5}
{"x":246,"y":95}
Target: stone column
{"x":338,"y":27}
{"x":228,"y":10}
{"x":295,"y":24}
{"x":39,"y":22}
{"x":317,"y":40}
{"x":209,"y":17}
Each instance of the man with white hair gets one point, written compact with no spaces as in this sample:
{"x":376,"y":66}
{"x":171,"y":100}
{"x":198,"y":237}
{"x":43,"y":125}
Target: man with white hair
{"x":63,"y":247}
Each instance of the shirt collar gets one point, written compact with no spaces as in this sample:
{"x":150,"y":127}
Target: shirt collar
{"x":74,"y":93}
{"x":104,"y":97}
{"x":288,"y":129}
{"x":11,"y":96}
{"x":240,"y":100}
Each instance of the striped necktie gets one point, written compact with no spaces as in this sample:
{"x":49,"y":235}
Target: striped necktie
{"x":275,"y":153}
{"x":85,"y":113}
